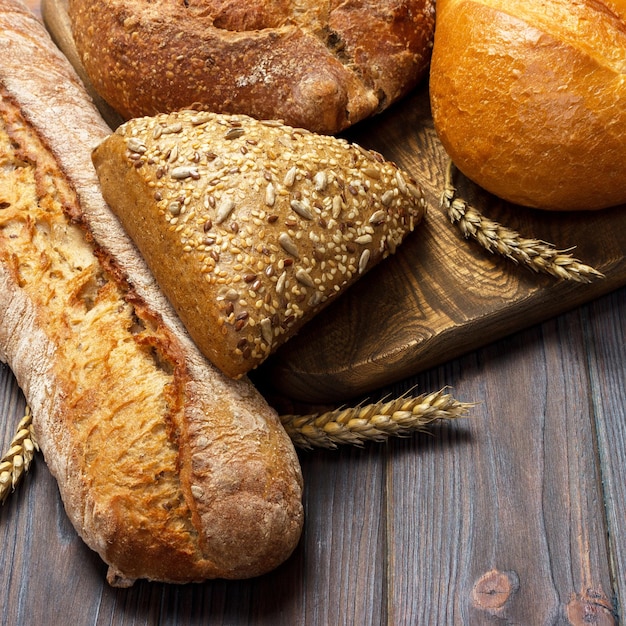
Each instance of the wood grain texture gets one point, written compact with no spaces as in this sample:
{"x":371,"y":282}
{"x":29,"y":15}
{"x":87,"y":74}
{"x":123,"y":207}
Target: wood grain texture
{"x":513,"y":498}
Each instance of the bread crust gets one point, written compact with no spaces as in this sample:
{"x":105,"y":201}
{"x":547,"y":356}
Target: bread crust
{"x":529,"y":98}
{"x":321,"y":65}
{"x":251,"y":228}
{"x":168,"y":469}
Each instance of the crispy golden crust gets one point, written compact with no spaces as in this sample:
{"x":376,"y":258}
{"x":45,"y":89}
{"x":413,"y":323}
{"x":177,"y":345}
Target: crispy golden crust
{"x":250,"y":227}
{"x":321,"y":65}
{"x":529,"y":98}
{"x":168,"y":469}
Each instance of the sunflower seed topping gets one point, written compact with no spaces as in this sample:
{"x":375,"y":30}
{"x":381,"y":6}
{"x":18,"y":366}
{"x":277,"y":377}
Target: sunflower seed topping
{"x":387,"y":197}
{"x":288,"y":245}
{"x":267,"y":331}
{"x":233,"y":133}
{"x":320,"y":181}
{"x":134,"y":145}
{"x":280,"y":283}
{"x":400,"y":182}
{"x":378,"y":217}
{"x":337,"y":206}
{"x":224,"y":209}
{"x":301,"y":209}
{"x":200,"y":118}
{"x":171,"y":129}
{"x":302,"y":276}
{"x":290,"y":177}
{"x":364,"y":260}
{"x":184,"y":171}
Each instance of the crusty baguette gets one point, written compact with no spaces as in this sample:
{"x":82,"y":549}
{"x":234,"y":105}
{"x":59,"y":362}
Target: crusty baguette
{"x":251,"y":227}
{"x":529,"y":98}
{"x":168,"y":469}
{"x":316,"y":64}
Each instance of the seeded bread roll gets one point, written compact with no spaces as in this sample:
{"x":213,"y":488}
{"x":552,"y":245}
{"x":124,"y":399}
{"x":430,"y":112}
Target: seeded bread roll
{"x":316,"y":65}
{"x":251,"y":227}
{"x":167,"y":468}
{"x":529,"y":98}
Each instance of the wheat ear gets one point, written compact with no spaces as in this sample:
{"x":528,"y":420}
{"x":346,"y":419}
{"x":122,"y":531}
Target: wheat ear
{"x":16,"y":461}
{"x":535,"y":254}
{"x":372,"y":422}
{"x":355,"y":426}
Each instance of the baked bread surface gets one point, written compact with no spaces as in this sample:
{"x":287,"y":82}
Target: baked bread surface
{"x":529,"y":98}
{"x":168,"y":469}
{"x":318,"y":65}
{"x":252,"y":227}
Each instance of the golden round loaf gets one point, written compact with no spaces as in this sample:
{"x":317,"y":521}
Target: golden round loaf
{"x":529,"y":98}
{"x":316,"y":65}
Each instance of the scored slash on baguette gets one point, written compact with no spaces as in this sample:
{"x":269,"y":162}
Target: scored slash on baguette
{"x":251,"y":227}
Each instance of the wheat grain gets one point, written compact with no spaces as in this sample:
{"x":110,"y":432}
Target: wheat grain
{"x":372,"y":422}
{"x":16,"y":461}
{"x":540,"y":256}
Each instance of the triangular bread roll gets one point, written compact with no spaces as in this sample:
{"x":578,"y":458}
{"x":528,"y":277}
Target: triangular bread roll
{"x":251,"y":227}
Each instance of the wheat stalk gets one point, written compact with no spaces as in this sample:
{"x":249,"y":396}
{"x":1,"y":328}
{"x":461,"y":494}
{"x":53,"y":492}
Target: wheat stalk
{"x":540,"y":256}
{"x":372,"y":422}
{"x":16,"y":461}
{"x":355,"y":426}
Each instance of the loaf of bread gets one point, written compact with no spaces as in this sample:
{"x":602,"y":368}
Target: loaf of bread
{"x":316,"y":65}
{"x":251,"y":227}
{"x":168,"y":469}
{"x":529,"y":98}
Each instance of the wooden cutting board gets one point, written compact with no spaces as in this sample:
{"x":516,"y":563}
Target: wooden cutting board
{"x":441,"y":295}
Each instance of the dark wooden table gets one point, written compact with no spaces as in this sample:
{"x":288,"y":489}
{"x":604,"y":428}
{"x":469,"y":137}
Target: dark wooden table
{"x":515,"y":515}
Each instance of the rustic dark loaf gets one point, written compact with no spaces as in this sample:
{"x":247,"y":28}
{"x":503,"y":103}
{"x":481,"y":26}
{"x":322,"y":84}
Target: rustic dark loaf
{"x":251,"y":227}
{"x":529,"y":98}
{"x":167,"y":468}
{"x":316,"y":65}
